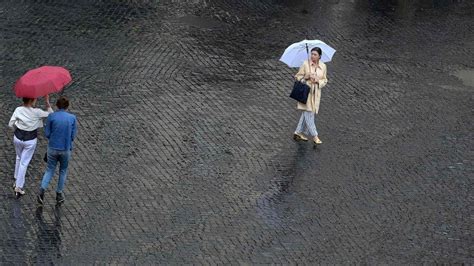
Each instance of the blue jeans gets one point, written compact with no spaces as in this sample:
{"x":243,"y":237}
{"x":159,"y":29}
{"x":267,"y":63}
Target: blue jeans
{"x":55,"y":156}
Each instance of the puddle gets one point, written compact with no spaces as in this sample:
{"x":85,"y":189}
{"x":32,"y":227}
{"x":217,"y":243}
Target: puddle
{"x":467,"y":77}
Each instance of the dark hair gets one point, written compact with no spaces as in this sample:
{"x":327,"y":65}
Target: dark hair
{"x":317,"y":49}
{"x":27,"y":100}
{"x":62,"y":103}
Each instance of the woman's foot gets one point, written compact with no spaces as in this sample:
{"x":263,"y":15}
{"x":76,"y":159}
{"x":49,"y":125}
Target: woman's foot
{"x":316,"y":140}
{"x":299,"y":136}
{"x":19,"y":192}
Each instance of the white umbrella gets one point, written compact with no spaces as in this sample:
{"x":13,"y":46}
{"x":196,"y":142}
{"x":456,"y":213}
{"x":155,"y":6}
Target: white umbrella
{"x":297,"y":53}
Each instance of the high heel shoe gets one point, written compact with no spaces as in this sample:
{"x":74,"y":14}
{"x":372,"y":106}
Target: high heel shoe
{"x":19,"y":192}
{"x":299,"y":136}
{"x":317,"y":141}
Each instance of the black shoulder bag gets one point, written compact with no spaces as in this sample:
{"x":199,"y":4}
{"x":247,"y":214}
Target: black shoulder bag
{"x":300,"y":91}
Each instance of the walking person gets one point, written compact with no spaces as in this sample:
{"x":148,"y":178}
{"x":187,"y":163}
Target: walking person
{"x":26,"y":120}
{"x":60,"y":130}
{"x":314,"y":72}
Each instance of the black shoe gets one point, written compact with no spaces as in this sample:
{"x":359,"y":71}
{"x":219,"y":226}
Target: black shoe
{"x":40,"y":197}
{"x":59,"y":198}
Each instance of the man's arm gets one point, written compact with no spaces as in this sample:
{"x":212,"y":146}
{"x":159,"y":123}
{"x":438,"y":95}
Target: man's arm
{"x":74,"y":129}
{"x":47,"y":127}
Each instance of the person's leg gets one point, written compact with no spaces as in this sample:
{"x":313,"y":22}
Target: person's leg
{"x":309,"y":119}
{"x":300,"y":127}
{"x":48,"y":174}
{"x":311,"y":124}
{"x":18,"y":149}
{"x":315,"y":124}
{"x":63,"y":166}
{"x":25,"y":158}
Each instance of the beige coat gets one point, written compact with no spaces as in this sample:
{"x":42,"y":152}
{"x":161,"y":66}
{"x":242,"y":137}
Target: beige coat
{"x":314,"y":96}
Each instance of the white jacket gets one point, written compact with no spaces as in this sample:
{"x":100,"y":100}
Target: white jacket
{"x":28,"y":118}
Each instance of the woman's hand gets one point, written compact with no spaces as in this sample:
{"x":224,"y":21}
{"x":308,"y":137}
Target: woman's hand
{"x":314,"y":78}
{"x":46,"y":100}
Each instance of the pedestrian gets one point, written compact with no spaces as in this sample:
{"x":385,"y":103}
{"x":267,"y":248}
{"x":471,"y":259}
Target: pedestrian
{"x":314,"y":72}
{"x":25,"y":121}
{"x":60,"y":129}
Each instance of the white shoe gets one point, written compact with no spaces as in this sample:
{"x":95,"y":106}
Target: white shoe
{"x":19,"y":192}
{"x":316,"y":140}
{"x":299,"y":136}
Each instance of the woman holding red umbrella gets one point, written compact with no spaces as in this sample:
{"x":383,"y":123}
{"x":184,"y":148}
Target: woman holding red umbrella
{"x":26,"y":120}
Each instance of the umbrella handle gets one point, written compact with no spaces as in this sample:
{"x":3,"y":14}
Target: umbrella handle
{"x":309,"y":58}
{"x":307,"y":53}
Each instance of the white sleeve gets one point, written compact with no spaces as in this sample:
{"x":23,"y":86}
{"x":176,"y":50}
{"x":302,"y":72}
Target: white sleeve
{"x":40,"y":113}
{"x":12,"y":121}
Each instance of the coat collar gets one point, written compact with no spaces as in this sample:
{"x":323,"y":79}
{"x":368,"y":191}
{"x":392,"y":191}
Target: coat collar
{"x":320,"y":64}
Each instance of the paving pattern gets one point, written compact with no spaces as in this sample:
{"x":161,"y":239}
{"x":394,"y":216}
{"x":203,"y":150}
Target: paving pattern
{"x":184,"y":152}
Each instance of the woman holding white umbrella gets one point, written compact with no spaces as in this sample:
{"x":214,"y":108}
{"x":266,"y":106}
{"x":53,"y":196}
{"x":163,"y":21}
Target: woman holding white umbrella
{"x":314,"y":72}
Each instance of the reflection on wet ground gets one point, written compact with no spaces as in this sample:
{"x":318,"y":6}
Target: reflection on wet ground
{"x":36,"y":240}
{"x":467,"y":77}
{"x":406,"y":5}
{"x":48,"y":240}
{"x":381,"y":4}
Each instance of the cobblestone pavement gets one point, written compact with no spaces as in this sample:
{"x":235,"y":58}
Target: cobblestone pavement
{"x":184,"y":153}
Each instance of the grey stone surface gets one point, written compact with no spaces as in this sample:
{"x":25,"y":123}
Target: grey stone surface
{"x":184,"y":152}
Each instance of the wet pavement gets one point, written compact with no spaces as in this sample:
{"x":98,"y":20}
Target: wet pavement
{"x":184,"y":152}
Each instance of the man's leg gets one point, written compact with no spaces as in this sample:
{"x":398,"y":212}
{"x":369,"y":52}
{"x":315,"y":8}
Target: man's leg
{"x":63,"y":167}
{"x":48,"y":174}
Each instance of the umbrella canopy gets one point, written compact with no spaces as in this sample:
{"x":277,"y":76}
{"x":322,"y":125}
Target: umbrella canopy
{"x":41,"y":81}
{"x":297,"y":53}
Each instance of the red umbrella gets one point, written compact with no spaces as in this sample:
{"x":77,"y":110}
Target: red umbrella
{"x":41,"y":81}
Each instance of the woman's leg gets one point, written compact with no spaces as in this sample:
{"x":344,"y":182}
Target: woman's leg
{"x":310,"y":124}
{"x":25,"y":158}
{"x":18,"y":149}
{"x":300,"y":128}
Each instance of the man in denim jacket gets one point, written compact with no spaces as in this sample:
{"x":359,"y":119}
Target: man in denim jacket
{"x":60,"y":130}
